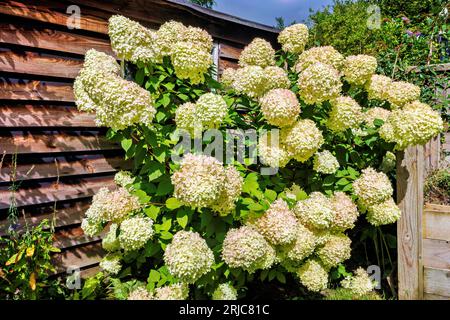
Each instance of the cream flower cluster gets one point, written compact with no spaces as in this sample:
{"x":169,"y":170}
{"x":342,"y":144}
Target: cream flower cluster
{"x":202,"y":181}
{"x":131,"y":41}
{"x":335,"y":250}
{"x":135,"y":232}
{"x":359,"y":69}
{"x":255,"y":81}
{"x":377,"y":87}
{"x":175,"y":291}
{"x":110,"y":242}
{"x":386,"y":212}
{"x":246,"y":248}
{"x":303,"y":245}
{"x":345,"y":212}
{"x":224,"y":291}
{"x":414,"y":124}
{"x":271,"y":152}
{"x":258,"y":53}
{"x":208,"y":112}
{"x":302,"y":140}
{"x":345,"y":114}
{"x":188,"y":257}
{"x":294,"y":38}
{"x":372,"y":187}
{"x":113,"y":206}
{"x":359,"y":283}
{"x":280,"y":107}
{"x":401,"y":92}
{"x":117,"y":103}
{"x":326,"y":55}
{"x":123,"y":178}
{"x":318,"y":83}
{"x":313,"y":275}
{"x":325,"y":162}
{"x":315,"y":212}
{"x":91,"y":228}
{"x":278,"y":224}
{"x":140,"y":293}
{"x":111,"y":264}
{"x":375,"y":113}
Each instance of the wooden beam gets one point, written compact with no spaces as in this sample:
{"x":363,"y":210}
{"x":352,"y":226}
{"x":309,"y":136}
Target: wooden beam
{"x":437,"y":281}
{"x":410,"y":180}
{"x":436,"y":253}
{"x":13,"y":89}
{"x":80,"y":257}
{"x":436,"y":222}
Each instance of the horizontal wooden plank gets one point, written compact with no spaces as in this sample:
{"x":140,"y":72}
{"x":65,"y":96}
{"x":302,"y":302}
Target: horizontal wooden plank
{"x":18,"y":116}
{"x":53,"y":167}
{"x":45,"y":193}
{"x":78,"y":257}
{"x":54,"y":12}
{"x":437,"y":281}
{"x":224,"y":64}
{"x":429,"y":296}
{"x":229,"y":52}
{"x":70,"y":237}
{"x":50,"y":39}
{"x":12,"y":89}
{"x":23,"y":142}
{"x":90,"y":271}
{"x":436,"y":222}
{"x":436,"y":253}
{"x":33,"y":63}
{"x":66,"y":214}
{"x":446,"y":145}
{"x":435,"y":67}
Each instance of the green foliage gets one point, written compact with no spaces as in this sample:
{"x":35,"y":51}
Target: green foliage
{"x":347,"y":294}
{"x":437,"y":186}
{"x":25,"y":265}
{"x":204,"y":3}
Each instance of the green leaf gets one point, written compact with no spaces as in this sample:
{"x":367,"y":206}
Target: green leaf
{"x":155,"y":170}
{"x":166,"y":235}
{"x":164,"y":187}
{"x":270,"y":195}
{"x":173,"y":203}
{"x":152,"y":212}
{"x":281,"y":277}
{"x":153,"y":276}
{"x":182,"y":218}
{"x":126,"y":144}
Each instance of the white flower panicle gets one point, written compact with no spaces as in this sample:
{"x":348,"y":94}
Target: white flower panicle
{"x":377,"y":87}
{"x":202,"y":181}
{"x":227,"y":77}
{"x":135,"y":232}
{"x":111,"y":264}
{"x":123,"y":178}
{"x":132,"y":41}
{"x":280,"y":107}
{"x":224,"y":291}
{"x":258,"y":53}
{"x":324,"y":162}
{"x":318,"y":83}
{"x":386,"y":212}
{"x":271,"y":152}
{"x":359,"y":69}
{"x":345,"y":114}
{"x":415,"y":123}
{"x":345,"y":212}
{"x":175,"y":291}
{"x":140,"y":293}
{"x":375,"y":113}
{"x":110,"y":242}
{"x":278,"y":224}
{"x":389,"y":162}
{"x":400,"y":92}
{"x":188,"y":257}
{"x":91,"y":228}
{"x":168,"y":35}
{"x":315,"y":212}
{"x":335,"y":250}
{"x":302,"y":140}
{"x":303,"y":245}
{"x":372,"y":187}
{"x":276,"y":78}
{"x":247,"y":249}
{"x":313,"y":275}
{"x":359,"y":283}
{"x":191,"y":62}
{"x":294,"y":38}
{"x":326,"y":55}
{"x":250,"y":80}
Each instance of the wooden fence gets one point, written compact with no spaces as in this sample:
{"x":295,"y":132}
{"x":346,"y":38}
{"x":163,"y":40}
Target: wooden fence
{"x":62,"y":158}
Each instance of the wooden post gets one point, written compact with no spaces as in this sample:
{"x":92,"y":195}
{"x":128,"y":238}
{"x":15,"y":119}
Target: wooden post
{"x":410,"y":181}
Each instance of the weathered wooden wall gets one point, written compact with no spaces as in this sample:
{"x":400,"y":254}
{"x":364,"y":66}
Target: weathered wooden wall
{"x":62,"y":158}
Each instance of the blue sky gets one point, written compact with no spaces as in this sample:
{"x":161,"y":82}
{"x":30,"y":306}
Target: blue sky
{"x":265,"y":11}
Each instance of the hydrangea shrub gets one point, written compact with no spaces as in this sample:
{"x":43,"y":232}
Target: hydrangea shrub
{"x":184,"y":223}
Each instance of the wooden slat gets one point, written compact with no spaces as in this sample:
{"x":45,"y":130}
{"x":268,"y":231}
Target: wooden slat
{"x":81,"y":257}
{"x":225,"y":64}
{"x":432,"y":154}
{"x":18,"y":116}
{"x":410,"y":180}
{"x":90,"y":271}
{"x":66,"y":214}
{"x":32,"y":63}
{"x":436,"y":222}
{"x":22,"y":142}
{"x":53,"y":167}
{"x":446,"y":145}
{"x":12,"y":89}
{"x":70,"y":237}
{"x":436,"y":254}
{"x":51,"y":39}
{"x":53,"y":12}
{"x":51,"y":192}
{"x":229,"y":52}
{"x":429,"y":296}
{"x":437,"y":281}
